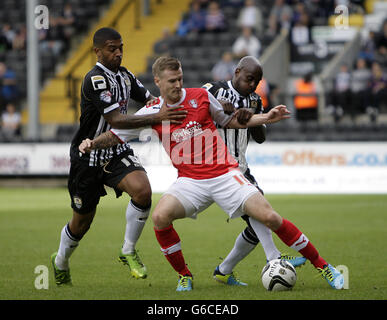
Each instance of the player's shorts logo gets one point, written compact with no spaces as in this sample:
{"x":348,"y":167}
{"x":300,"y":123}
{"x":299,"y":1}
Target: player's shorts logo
{"x":78,"y":202}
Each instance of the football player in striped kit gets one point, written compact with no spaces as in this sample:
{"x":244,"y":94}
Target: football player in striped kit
{"x":239,"y":94}
{"x":105,"y":94}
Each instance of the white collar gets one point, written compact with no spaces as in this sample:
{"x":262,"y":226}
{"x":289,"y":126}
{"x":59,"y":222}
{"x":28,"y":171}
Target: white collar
{"x":175,"y":104}
{"x":232,"y":88}
{"x":99,"y":64}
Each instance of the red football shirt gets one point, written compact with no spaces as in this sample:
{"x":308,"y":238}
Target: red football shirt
{"x":196,"y":149}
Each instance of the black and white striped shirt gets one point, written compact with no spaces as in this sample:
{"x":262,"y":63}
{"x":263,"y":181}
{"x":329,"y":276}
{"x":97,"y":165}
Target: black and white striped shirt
{"x":235,"y":139}
{"x":102,"y":92}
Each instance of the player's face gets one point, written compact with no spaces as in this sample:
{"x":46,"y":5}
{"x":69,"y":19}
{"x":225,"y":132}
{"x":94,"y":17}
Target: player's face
{"x":246,"y":81}
{"x":170,"y":84}
{"x":110,"y":55}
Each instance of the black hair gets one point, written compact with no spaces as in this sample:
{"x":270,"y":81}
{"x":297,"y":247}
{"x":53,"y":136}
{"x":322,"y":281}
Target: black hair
{"x":104,"y":34}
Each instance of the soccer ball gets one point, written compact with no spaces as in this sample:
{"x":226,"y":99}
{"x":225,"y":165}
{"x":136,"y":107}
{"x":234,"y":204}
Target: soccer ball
{"x":278,"y":275}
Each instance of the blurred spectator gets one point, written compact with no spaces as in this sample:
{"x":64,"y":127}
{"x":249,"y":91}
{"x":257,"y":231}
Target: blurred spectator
{"x":368,"y":47}
{"x":224,"y":69}
{"x":8,"y":87}
{"x":251,"y":16}
{"x":52,"y":39}
{"x":6,"y":37}
{"x":20,"y":38}
{"x":280,"y":16}
{"x":381,"y":56}
{"x":360,"y":81}
{"x":341,"y":93}
{"x":163,"y":45}
{"x":247,"y":44}
{"x":10,"y":123}
{"x":193,"y":21}
{"x":67,"y":21}
{"x":300,"y":12}
{"x":381,"y":38}
{"x":378,"y":91}
{"x":305,"y":99}
{"x":300,"y":32}
{"x":215,"y":20}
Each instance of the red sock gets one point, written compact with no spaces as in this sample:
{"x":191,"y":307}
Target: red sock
{"x":170,"y":245}
{"x":295,"y":239}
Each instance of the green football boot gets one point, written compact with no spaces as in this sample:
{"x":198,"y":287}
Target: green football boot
{"x":133,"y":261}
{"x":62,"y":277}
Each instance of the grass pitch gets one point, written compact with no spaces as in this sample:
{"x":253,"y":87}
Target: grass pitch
{"x":347,"y":230}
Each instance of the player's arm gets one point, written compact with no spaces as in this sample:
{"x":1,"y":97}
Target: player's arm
{"x":127,"y":121}
{"x":103,"y":141}
{"x":276,"y":114}
{"x":258,"y":133}
{"x":96,"y":89}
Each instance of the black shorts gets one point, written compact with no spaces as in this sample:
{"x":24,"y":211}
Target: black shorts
{"x":86,"y":184}
{"x":251,"y":178}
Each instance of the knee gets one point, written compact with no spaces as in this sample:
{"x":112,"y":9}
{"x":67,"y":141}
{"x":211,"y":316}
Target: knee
{"x":161,"y":220}
{"x":271,"y":219}
{"x":143,"y":196}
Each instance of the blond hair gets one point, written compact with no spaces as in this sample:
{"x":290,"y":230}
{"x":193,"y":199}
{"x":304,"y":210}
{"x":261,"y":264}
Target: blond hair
{"x":165,"y":63}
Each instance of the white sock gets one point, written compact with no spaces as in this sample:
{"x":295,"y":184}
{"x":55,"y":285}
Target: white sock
{"x":135,"y":222}
{"x":265,"y":237}
{"x":67,"y":246}
{"x":240,"y":250}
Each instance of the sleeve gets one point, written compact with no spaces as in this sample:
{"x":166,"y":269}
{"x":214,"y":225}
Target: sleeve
{"x":138,"y":92}
{"x":217,"y":112}
{"x":211,"y":87}
{"x":130,"y":134}
{"x":96,"y":89}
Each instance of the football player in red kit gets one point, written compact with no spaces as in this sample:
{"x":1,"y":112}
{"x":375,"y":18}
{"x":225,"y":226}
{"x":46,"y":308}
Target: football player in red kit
{"x":207,"y":172}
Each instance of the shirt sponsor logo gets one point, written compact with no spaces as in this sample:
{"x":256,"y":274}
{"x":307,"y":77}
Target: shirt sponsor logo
{"x":106,"y":96}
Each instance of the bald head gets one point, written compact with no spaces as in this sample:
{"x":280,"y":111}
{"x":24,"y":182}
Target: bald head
{"x":247,"y":75}
{"x":251,"y":64}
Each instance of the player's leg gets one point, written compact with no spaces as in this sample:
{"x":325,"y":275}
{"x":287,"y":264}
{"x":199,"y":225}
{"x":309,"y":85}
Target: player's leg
{"x":125,"y":174}
{"x":168,"y":209}
{"x":260,"y":210}
{"x":70,"y":236}
{"x":137,"y":186}
{"x":85,"y":188}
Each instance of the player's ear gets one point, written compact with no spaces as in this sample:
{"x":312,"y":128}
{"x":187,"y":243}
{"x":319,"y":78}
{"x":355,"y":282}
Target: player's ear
{"x":97,"y":51}
{"x":156,"y":80}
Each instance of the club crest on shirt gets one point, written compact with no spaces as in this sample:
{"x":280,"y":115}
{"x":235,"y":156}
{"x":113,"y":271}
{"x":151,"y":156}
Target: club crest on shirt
{"x":106,"y":96}
{"x":193,"y":103}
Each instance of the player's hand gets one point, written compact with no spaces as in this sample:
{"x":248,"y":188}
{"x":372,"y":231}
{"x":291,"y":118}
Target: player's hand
{"x":228,"y":107}
{"x":172,"y":114}
{"x":278,"y":113}
{"x":243,"y":115}
{"x":86,"y":146}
